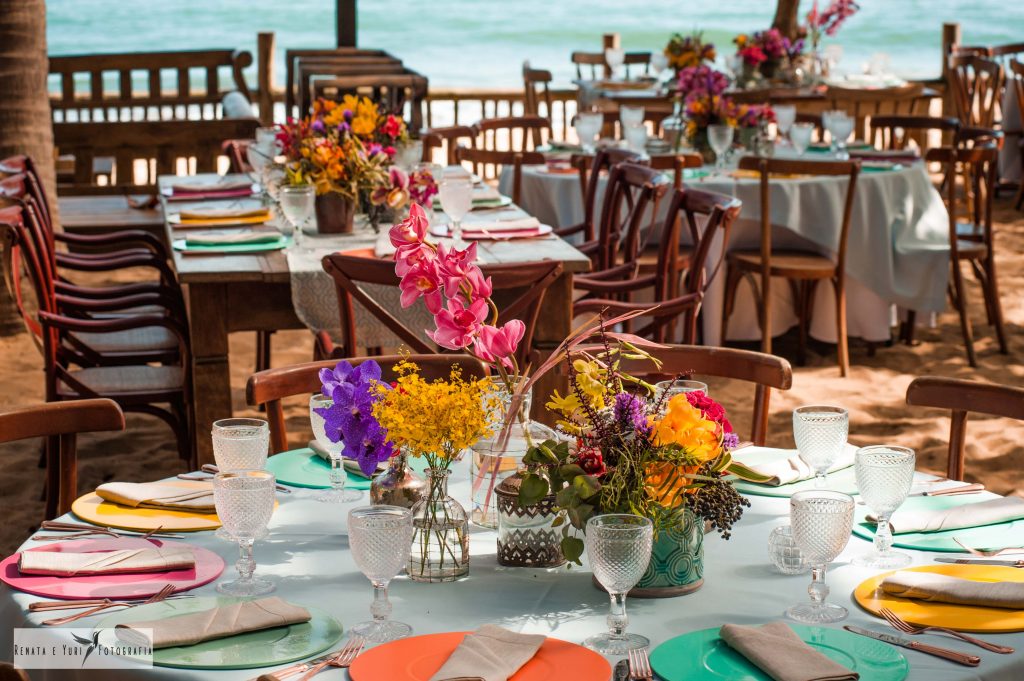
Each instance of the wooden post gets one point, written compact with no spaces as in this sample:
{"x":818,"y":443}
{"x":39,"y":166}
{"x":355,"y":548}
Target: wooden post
{"x":265,"y":77}
{"x":951,"y":38}
{"x":610,"y":40}
{"x":346,"y":14}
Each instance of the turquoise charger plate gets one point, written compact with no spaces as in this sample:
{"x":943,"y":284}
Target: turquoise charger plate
{"x":843,"y":480}
{"x":703,"y":656}
{"x":986,"y":537}
{"x":303,"y":468}
{"x":282,"y":241}
{"x":265,"y":648}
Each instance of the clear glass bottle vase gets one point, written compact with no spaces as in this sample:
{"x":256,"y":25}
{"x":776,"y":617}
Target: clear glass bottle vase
{"x":440,"y":542}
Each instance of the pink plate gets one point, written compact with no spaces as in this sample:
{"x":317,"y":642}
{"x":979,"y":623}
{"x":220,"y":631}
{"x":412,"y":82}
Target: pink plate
{"x":136,"y":585}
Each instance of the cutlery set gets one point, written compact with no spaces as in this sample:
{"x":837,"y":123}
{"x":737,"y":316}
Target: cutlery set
{"x":208,"y":470}
{"x":342,"y":659}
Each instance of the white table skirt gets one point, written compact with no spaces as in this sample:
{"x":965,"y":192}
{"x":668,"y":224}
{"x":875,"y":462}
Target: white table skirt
{"x":307,"y":555}
{"x":898,"y":252}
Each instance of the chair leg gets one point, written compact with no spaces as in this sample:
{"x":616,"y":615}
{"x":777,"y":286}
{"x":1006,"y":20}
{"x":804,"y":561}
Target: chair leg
{"x":992,"y":296}
{"x":907,"y":333}
{"x":959,"y":300}
{"x":1019,"y":200}
{"x":263,"y":350}
{"x":842,"y":342}
{"x":798,"y":289}
{"x":732,"y":279}
{"x":981,"y":275}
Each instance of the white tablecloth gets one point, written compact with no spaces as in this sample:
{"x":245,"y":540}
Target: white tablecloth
{"x":307,"y":555}
{"x":1009,"y":155}
{"x":898,"y":250}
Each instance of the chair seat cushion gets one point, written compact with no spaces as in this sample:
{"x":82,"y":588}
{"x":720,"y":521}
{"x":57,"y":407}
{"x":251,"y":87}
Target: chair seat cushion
{"x":133,"y":341}
{"x":785,"y":263}
{"x":126,"y":381}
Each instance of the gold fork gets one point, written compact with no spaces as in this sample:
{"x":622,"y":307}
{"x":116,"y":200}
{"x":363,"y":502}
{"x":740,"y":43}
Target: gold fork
{"x":988,"y":554}
{"x":907,"y":628}
{"x":155,"y":598}
{"x":640,"y":665}
{"x":342,"y":659}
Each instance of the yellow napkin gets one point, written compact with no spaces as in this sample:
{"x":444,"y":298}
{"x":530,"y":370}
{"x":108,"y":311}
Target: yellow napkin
{"x":934,"y":588}
{"x":989,"y":512}
{"x":207,"y":214}
{"x":69,"y":564}
{"x":776,"y":650}
{"x":197,"y":499}
{"x":490,"y":653}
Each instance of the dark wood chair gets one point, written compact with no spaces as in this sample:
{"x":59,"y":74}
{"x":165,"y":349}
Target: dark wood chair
{"x":519,"y":290}
{"x":514,"y":133}
{"x":960,"y":397}
{"x":268,"y":388}
{"x":976,"y":86}
{"x":802,"y":269}
{"x":1015,"y":80}
{"x":677,"y":163}
{"x":59,"y":423}
{"x":236,"y":153}
{"x":636,"y":59}
{"x":537,"y":90}
{"x":352,"y":56}
{"x":894,"y":132}
{"x":489,"y":157}
{"x":449,"y":137}
{"x":815,"y":120}
{"x":863,"y":104}
{"x":707,"y":216}
{"x":594,"y":62}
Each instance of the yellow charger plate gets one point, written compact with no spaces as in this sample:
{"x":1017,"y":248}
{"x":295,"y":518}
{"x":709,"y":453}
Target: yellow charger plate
{"x":870,"y":596}
{"x":95,"y":510}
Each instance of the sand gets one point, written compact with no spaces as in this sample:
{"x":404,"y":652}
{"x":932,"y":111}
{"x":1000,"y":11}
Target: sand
{"x":874,"y":393}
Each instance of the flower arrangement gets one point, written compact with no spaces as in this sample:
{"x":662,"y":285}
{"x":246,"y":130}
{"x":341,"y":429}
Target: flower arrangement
{"x":829,"y":21}
{"x":765,"y":50}
{"x":755,"y":115}
{"x":422,"y":188}
{"x":701,"y":89}
{"x":685,"y":51}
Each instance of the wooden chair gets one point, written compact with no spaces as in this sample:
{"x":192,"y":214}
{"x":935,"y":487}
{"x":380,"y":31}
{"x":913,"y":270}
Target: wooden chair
{"x":976,"y":84}
{"x":863,"y":105}
{"x":59,"y":423}
{"x":1015,"y":80}
{"x":301,"y":65}
{"x":960,"y":397}
{"x":488,"y":157}
{"x":236,"y":150}
{"x":708,"y":216}
{"x":514,"y":133}
{"x":894,"y":132}
{"x":636,"y":59}
{"x":519,"y":291}
{"x":594,"y":60}
{"x":803,"y":269}
{"x":268,"y":388}
{"x":815,"y":120}
{"x":537,"y":89}
{"x":402,"y":94}
{"x":677,"y":164}
{"x":450,"y":137}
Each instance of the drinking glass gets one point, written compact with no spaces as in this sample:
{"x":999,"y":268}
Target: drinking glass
{"x":820,"y":433}
{"x":842,"y":126}
{"x":614,"y":57}
{"x":635,"y":135}
{"x":884,"y":476}
{"x":588,"y":125}
{"x":630,"y":115}
{"x":800,"y":136}
{"x":245,"y":502}
{"x":240,"y":444}
{"x":821,"y":522}
{"x":785,"y":116}
{"x":720,"y":138}
{"x":297,"y":204}
{"x":456,"y":192}
{"x":380,"y":538}
{"x":258,"y":158}
{"x":266,"y":140}
{"x":677,"y":387}
{"x":336,"y":494}
{"x":659,"y":62}
{"x":618,"y":548}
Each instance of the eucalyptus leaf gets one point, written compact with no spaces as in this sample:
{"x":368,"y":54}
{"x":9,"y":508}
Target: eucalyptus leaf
{"x":567,"y":497}
{"x":532,"y":489}
{"x":570,"y":470}
{"x":572,"y":549}
{"x":578,"y":515}
{"x":586,"y":486}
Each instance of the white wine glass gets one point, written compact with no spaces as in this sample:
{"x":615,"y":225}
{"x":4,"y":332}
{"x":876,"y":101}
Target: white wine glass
{"x":297,"y":203}
{"x":588,"y":125}
{"x":456,"y":193}
{"x":885,"y":474}
{"x":785,"y":116}
{"x":614,"y":57}
{"x":336,"y":493}
{"x":800,"y":137}
{"x":635,"y":135}
{"x":659,"y":62}
{"x":630,"y":115}
{"x":381,"y":539}
{"x":245,"y":501}
{"x":821,"y":522}
{"x":720,"y":138}
{"x":842,"y":127}
{"x":820,"y":432}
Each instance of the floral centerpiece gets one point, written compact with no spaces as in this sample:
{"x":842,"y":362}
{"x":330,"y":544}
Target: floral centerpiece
{"x":691,"y":50}
{"x":826,"y":23}
{"x":764,"y":52}
{"x":701,"y":90}
{"x":753,"y":122}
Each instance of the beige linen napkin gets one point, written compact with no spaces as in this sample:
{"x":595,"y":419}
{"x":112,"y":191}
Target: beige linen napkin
{"x":792,"y":468}
{"x":485,"y":192}
{"x":499,"y":226}
{"x":928,"y":586}
{"x":776,"y":650}
{"x":198,"y":499}
{"x":490,"y":653}
{"x":220,"y":622}
{"x":69,"y":564}
{"x":989,"y":512}
{"x":224,"y":239}
{"x":224,"y":213}
{"x":218,"y":185}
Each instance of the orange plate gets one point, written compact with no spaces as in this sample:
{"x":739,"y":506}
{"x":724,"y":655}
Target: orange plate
{"x":419,"y":657}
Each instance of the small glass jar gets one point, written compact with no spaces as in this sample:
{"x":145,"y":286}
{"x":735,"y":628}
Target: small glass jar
{"x":784,"y":553}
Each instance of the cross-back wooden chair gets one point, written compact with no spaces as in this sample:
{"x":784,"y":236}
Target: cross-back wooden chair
{"x":267,"y":388}
{"x":894,"y":132}
{"x":962,"y":397}
{"x":708,"y":218}
{"x":537,"y":90}
{"x":802,"y":269}
{"x":594,"y":62}
{"x":60,"y":423}
{"x":976,"y":83}
{"x":1015,"y":81}
{"x":479,"y":158}
{"x":450,"y":138}
{"x":519,"y":291}
{"x":677,"y":163}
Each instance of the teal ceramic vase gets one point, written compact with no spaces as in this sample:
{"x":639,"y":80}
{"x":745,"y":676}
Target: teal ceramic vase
{"x":677,"y":561}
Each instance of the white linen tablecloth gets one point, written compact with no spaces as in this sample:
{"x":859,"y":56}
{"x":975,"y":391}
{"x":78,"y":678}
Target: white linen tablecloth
{"x":306,"y":554}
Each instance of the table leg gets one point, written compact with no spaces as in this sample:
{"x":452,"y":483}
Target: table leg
{"x":211,"y":376}
{"x":553,"y":325}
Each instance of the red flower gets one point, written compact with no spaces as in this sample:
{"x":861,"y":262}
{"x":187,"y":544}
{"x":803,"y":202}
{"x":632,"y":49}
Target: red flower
{"x":392,"y":126}
{"x":591,"y":461}
{"x":712,"y":410}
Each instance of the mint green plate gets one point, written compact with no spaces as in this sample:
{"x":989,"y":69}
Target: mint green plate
{"x":282,"y":242}
{"x":499,"y":202}
{"x":844,"y":480}
{"x":303,"y":468}
{"x":986,"y":537}
{"x":266,"y":648}
{"x":703,"y":656}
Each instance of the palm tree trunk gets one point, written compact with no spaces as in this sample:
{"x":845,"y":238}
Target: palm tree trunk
{"x":25,"y":126}
{"x":786,"y":18}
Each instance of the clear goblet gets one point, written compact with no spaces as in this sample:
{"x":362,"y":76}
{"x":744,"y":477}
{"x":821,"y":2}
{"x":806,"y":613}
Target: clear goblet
{"x":842,"y":126}
{"x":821,"y":523}
{"x":456,"y":192}
{"x":785,"y":116}
{"x":588,"y":125}
{"x":297,"y":204}
{"x":720,"y":138}
{"x":240,"y":444}
{"x":630,"y":115}
{"x":800,"y":136}
{"x":635,"y":135}
{"x":336,"y":494}
{"x":245,"y":502}
{"x":659,"y":62}
{"x":381,"y":539}
{"x":884,"y":476}
{"x":820,"y":433}
{"x":614,"y":57}
{"x":618,"y":548}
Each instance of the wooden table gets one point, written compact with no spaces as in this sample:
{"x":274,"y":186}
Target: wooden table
{"x":98,"y":214}
{"x":227,"y":293}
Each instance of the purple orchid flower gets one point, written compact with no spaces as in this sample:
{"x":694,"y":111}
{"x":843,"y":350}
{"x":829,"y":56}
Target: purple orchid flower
{"x":350,"y":419}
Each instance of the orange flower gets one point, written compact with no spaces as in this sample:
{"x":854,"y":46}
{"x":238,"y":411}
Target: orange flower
{"x":665,"y":482}
{"x":685,"y":425}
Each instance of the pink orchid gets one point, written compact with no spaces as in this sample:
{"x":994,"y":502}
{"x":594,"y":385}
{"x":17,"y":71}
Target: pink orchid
{"x":455,"y":266}
{"x":412,"y":230}
{"x":495,"y":344}
{"x":422,"y":279}
{"x":458,"y":325}
{"x":478,"y":286}
{"x":410,"y":255}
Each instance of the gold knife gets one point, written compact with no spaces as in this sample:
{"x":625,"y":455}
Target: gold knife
{"x":952,"y":655}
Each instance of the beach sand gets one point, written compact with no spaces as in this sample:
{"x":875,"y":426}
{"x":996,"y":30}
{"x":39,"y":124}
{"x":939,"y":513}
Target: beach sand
{"x":874,"y":393}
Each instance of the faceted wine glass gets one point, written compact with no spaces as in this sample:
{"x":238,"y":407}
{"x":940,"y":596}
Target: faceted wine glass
{"x":240,"y":444}
{"x":800,"y":136}
{"x":820,"y":433}
{"x":841,"y":126}
{"x":618,"y":548}
{"x":785,"y":116}
{"x":297,"y":204}
{"x":336,"y":493}
{"x":720,"y":138}
{"x":456,"y":192}
{"x":614,"y":57}
{"x":821,"y":523}
{"x":380,"y":538}
{"x":245,"y":502}
{"x":884,"y":476}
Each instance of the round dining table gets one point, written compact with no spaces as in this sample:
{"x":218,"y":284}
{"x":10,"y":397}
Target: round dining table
{"x":307,"y":556}
{"x":897,"y":257}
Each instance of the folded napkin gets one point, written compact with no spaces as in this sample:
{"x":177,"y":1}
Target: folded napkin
{"x":991,"y":512}
{"x":70,"y":564}
{"x":485,"y":192}
{"x":791,"y":469}
{"x":498,"y":226}
{"x":885,"y":154}
{"x":203,"y":214}
{"x":776,"y":650}
{"x":157,"y":495}
{"x":935,"y":588}
{"x":220,"y":622}
{"x":232,"y":238}
{"x":555,"y":145}
{"x":219,"y":185}
{"x":349,"y":465}
{"x":490,"y":653}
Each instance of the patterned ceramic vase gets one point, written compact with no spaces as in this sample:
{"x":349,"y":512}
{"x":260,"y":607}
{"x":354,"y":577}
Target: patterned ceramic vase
{"x":677,"y":562}
{"x":526,"y":536}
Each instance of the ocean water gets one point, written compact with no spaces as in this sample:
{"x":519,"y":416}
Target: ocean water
{"x":484,"y":42}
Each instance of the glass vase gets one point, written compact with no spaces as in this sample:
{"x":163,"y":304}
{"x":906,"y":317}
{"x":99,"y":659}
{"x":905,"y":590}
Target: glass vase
{"x":440,"y":541}
{"x":398,"y":485}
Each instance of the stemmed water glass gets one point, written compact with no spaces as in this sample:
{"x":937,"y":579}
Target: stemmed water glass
{"x":618,"y":548}
{"x":659,"y":62}
{"x":720,"y":138}
{"x":884,"y":476}
{"x":381,"y":539}
{"x":840,"y":125}
{"x":240,"y":444}
{"x":800,"y":136}
{"x":820,"y":433}
{"x":785,"y":116}
{"x":821,"y":523}
{"x":588,"y":125}
{"x":635,"y":135}
{"x":614,"y":57}
{"x":337,"y":493}
{"x":245,"y":502}
{"x":630,"y":115}
{"x":297,"y":204}
{"x":456,"y":192}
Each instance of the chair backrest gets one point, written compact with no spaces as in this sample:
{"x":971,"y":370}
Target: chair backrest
{"x":402,"y":94}
{"x":978,"y":165}
{"x":536,"y":89}
{"x":630,"y":199}
{"x":677,"y":163}
{"x":512,"y":133}
{"x":60,"y":422}
{"x":489,"y":157}
{"x":590,"y":169}
{"x":594,"y":60}
{"x":1008,"y":50}
{"x":893,"y":132}
{"x":976,"y":84}
{"x":342,"y":56}
{"x":864,"y":104}
{"x":519,"y":290}
{"x":815,"y":120}
{"x":269,"y":387}
{"x":1015,"y":80}
{"x":960,"y":397}
{"x":450,"y":137}
{"x":636,"y":59}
